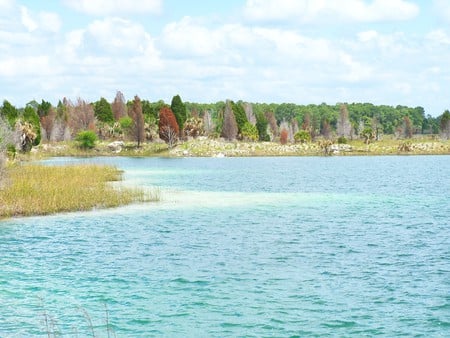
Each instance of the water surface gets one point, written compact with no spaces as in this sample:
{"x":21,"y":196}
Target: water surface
{"x":303,"y":246}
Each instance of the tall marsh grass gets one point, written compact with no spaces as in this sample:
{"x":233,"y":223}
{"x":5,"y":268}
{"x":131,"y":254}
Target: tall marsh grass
{"x":40,"y":190}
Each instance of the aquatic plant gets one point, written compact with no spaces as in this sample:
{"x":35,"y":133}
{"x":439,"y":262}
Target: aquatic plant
{"x":41,"y":190}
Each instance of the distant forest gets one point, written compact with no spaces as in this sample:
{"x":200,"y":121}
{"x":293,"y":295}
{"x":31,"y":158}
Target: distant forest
{"x":146,"y":121}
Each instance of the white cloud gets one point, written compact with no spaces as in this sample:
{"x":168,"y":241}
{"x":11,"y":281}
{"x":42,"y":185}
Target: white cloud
{"x":26,"y":19}
{"x":442,"y":9}
{"x":47,"y":21}
{"x":6,"y":4}
{"x":115,"y":7}
{"x":439,"y":36}
{"x":50,"y":22}
{"x":26,"y":66}
{"x":307,"y":11}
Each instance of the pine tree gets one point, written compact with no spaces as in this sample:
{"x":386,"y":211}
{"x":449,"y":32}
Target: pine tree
{"x":179,"y":110}
{"x":103,"y":111}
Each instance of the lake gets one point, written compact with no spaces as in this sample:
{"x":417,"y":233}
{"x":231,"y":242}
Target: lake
{"x":262,"y":247}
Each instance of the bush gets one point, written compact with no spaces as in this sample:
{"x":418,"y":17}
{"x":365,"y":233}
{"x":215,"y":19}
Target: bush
{"x":125,"y":122}
{"x":342,"y":140}
{"x":249,"y":132}
{"x":302,"y":136}
{"x":86,"y":139}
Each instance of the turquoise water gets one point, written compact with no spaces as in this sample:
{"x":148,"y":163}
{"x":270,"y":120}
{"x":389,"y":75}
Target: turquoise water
{"x":258,"y":247}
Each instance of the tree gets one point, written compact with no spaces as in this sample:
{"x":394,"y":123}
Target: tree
{"x":248,"y":108}
{"x":47,"y":120}
{"x":43,"y":108}
{"x":30,"y":115}
{"x":138,"y":129}
{"x":407,"y":127}
{"x":284,"y":136}
{"x":302,"y":136}
{"x":81,"y":117}
{"x":239,"y":115}
{"x":179,"y":110}
{"x":249,"y":132}
{"x":229,"y":126}
{"x":25,"y":135}
{"x":9,"y":112}
{"x":445,"y":125}
{"x":326,"y":129}
{"x":272,"y":124}
{"x":103,"y":111}
{"x":193,"y":127}
{"x":119,"y":107}
{"x":6,"y":139}
{"x":261,"y":126}
{"x":168,"y":126}
{"x":344,"y":127}
{"x":208,"y":123}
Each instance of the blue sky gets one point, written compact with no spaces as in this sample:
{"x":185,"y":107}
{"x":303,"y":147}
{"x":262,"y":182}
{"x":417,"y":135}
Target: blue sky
{"x":301,"y":51}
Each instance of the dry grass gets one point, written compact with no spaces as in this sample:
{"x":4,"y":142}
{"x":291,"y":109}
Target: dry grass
{"x":41,"y":190}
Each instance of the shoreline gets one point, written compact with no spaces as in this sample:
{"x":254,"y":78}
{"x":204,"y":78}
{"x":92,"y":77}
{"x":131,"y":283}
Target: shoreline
{"x":203,"y":147}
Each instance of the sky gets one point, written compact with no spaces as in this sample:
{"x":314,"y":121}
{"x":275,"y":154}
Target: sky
{"x":392,"y":52}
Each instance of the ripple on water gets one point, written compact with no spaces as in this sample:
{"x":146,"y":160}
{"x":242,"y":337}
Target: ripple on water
{"x":318,"y":247}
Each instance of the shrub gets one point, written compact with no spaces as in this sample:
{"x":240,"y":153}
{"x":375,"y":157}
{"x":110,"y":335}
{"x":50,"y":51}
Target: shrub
{"x":302,"y":136}
{"x":249,"y":132}
{"x":342,"y":140}
{"x":125,"y":122}
{"x":86,"y":139}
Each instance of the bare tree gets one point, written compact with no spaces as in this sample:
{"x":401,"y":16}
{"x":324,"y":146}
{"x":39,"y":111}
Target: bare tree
{"x":248,"y":108}
{"x":119,"y":107}
{"x":81,"y":117}
{"x":272,"y":123}
{"x":6,"y":138}
{"x":208,"y":124}
{"x":169,"y":134}
{"x":138,"y":121}
{"x":344,"y":127}
{"x":230,"y":127}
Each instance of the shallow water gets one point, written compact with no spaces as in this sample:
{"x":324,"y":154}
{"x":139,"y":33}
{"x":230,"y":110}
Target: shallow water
{"x":303,"y":246}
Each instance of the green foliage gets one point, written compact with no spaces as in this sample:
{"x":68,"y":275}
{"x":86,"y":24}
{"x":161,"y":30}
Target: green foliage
{"x":261,"y":126}
{"x":249,"y":132}
{"x":151,"y":110}
{"x":103,"y":111}
{"x":11,"y":150}
{"x":179,"y":110}
{"x":125,"y":123}
{"x":445,"y":124}
{"x":368,"y":135}
{"x":302,"y":136}
{"x":9,"y":112}
{"x":30,"y":115}
{"x":239,"y":115}
{"x":44,"y":108}
{"x":342,"y":140}
{"x":86,"y":139}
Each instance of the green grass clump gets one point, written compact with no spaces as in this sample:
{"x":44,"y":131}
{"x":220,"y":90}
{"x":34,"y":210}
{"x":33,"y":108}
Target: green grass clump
{"x":41,"y":190}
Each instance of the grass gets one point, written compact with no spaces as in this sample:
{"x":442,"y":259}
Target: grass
{"x":41,"y":190}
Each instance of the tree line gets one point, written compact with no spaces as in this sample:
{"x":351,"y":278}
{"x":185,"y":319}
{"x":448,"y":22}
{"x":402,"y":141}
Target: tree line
{"x":145,"y":121}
